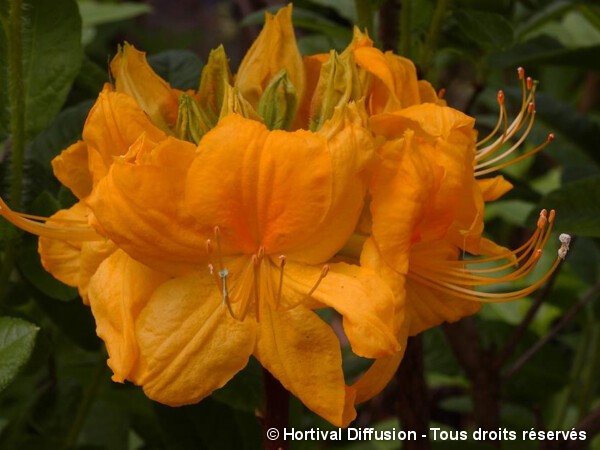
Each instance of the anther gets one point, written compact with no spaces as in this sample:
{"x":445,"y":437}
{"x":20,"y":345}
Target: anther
{"x":324,"y":273}
{"x":261,"y":253}
{"x":530,"y":108}
{"x":209,"y":247}
{"x":565,"y":241}
{"x":441,"y":93}
{"x":500,"y":97}
{"x":543,"y":219}
{"x":550,"y":137}
{"x":552,"y":215}
{"x":521,"y":73}
{"x":529,"y":83}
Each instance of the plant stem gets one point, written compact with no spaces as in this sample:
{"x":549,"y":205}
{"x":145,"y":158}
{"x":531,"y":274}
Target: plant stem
{"x":16,"y":103}
{"x":519,"y":332}
{"x":276,"y":415}
{"x":404,"y":45}
{"x":588,"y":296}
{"x":465,"y":342}
{"x":365,"y":15}
{"x":413,"y":404}
{"x":433,"y":35}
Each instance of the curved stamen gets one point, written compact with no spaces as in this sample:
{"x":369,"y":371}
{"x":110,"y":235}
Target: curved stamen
{"x":38,"y":225}
{"x":448,"y":277}
{"x":524,"y":120}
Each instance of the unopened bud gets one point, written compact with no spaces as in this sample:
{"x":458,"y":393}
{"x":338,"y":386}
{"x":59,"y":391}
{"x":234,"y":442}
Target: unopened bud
{"x":279,"y":102}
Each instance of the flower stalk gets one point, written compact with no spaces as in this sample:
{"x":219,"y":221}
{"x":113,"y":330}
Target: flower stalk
{"x":16,"y":101}
{"x":276,"y":414}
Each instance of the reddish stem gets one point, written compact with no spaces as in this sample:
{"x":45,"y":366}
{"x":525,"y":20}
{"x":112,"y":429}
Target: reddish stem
{"x":276,"y":414}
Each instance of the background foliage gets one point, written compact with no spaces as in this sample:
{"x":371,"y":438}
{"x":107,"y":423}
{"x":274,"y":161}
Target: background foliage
{"x":55,"y":390}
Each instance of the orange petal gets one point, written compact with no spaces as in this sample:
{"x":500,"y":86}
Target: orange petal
{"x":450,"y":138}
{"x":363,"y":299}
{"x":136,"y":78}
{"x":273,"y":50}
{"x":117,"y":292}
{"x":303,"y":353}
{"x":139,"y":204}
{"x":494,"y":188}
{"x":269,"y":189}
{"x":71,"y":169}
{"x":427,"y":307}
{"x":113,"y":125}
{"x":377,"y":377}
{"x":189,"y":343}
{"x":73,"y":262}
{"x":402,"y":186}
{"x":351,"y":150}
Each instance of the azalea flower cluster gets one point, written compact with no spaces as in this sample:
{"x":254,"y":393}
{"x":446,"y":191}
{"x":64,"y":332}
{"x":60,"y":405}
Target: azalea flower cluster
{"x":212,"y":224}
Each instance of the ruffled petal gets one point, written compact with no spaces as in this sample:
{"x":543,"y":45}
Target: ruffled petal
{"x":73,"y":262}
{"x":274,"y":49}
{"x":114,"y":123}
{"x":139,"y":205}
{"x":117,"y":292}
{"x":494,"y":188}
{"x":303,"y":353}
{"x":401,"y":188}
{"x":71,"y":169}
{"x":429,"y":308}
{"x":425,"y":306}
{"x":136,"y":78}
{"x":364,"y":300}
{"x":189,"y":343}
{"x":352,"y":151}
{"x":269,"y":189}
{"x":377,"y":377}
{"x":449,"y":138}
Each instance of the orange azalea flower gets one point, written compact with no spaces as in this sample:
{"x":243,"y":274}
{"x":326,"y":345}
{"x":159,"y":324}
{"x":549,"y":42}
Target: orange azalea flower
{"x":264,"y":210}
{"x":427,"y":213}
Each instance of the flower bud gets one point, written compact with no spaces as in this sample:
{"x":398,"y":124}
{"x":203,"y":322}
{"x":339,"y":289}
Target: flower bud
{"x":279,"y":102}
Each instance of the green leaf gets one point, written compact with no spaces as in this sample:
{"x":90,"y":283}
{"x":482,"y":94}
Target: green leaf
{"x":30,"y":266}
{"x":52,"y":56}
{"x":63,"y":131}
{"x":181,"y":68}
{"x":577,"y":207}
{"x":545,"y":50}
{"x":578,"y":128}
{"x":17,"y":338}
{"x":491,"y":31}
{"x":95,"y":13}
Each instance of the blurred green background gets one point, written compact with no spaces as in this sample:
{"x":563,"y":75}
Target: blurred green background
{"x":55,"y":389}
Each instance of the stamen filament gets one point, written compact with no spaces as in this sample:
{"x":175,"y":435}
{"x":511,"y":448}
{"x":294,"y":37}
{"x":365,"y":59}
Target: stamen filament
{"x":62,"y":233}
{"x":282,"y":261}
{"x":449,"y":278}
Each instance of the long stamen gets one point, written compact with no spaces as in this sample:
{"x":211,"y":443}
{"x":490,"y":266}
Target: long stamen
{"x":451,"y":279}
{"x":60,"y":232}
{"x":282,"y":261}
{"x":256,"y":267}
{"x":501,"y":119}
{"x":524,"y":119}
{"x":220,"y":276}
{"x":323,"y":274}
